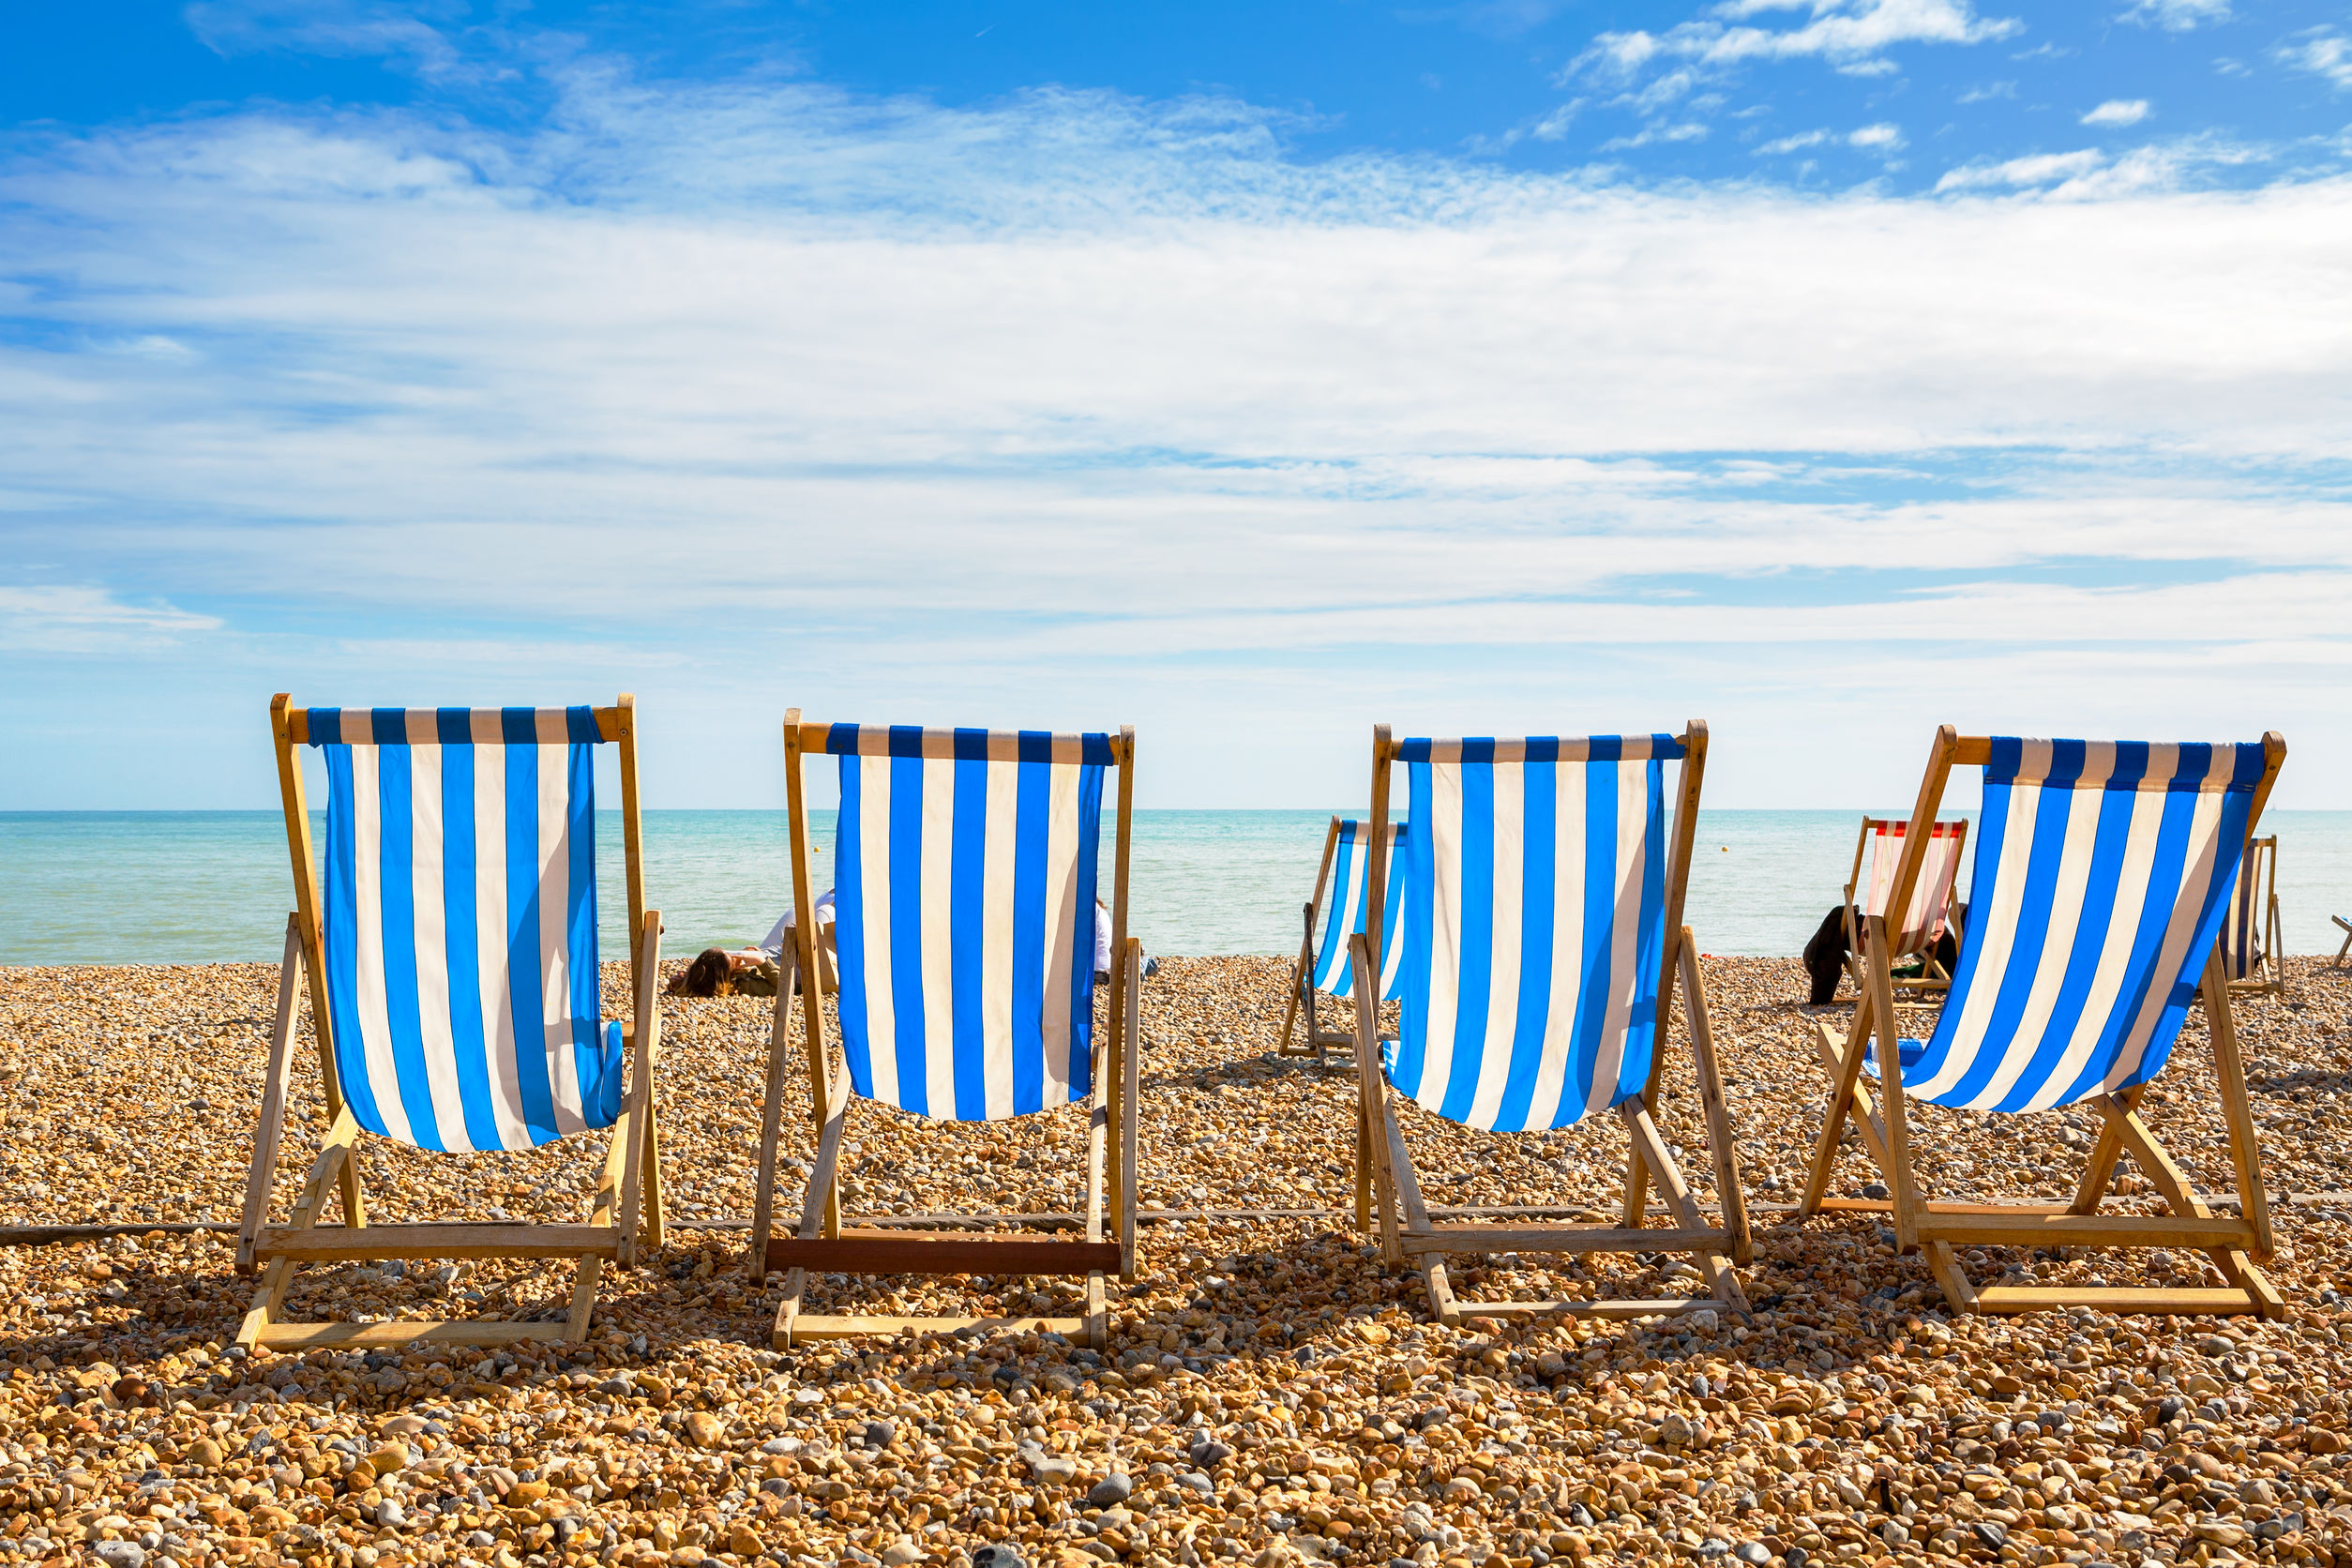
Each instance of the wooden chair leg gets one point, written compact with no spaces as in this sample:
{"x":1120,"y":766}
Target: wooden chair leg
{"x":772,"y":1114}
{"x":274,"y":1090}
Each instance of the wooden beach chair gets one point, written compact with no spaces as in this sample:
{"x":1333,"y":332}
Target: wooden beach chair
{"x":1325,"y":969}
{"x":1930,"y":912}
{"x":2251,"y":955}
{"x":454,"y":990}
{"x":964,"y":883}
{"x":2345,"y":927}
{"x":1541,"y":940}
{"x":2104,"y":872}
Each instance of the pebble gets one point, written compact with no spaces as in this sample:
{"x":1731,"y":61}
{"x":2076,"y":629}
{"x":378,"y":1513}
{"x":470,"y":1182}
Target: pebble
{"x":1270,"y":1392}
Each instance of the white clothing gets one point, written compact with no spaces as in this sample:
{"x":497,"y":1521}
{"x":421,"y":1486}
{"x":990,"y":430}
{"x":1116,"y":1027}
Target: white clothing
{"x":773,"y":945}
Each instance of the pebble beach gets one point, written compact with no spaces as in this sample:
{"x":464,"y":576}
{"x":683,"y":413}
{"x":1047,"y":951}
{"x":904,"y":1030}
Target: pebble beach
{"x":1270,"y":1394}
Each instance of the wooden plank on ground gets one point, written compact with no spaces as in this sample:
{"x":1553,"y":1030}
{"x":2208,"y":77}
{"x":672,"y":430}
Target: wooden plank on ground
{"x":953,"y":1252}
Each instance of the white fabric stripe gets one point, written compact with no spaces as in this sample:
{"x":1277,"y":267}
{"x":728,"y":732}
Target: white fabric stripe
{"x":433,"y":947}
{"x":1552,"y":1084}
{"x":375,"y":1028}
{"x":1503,"y":964}
{"x":2204,"y":861}
{"x":1063,"y":915}
{"x":1998,"y":936}
{"x":554,"y":977}
{"x":1931,"y":896}
{"x":1626,"y":858}
{"x":996,"y":949}
{"x":2081,"y":805}
{"x":553,"y":727}
{"x":873,"y":848}
{"x":1445,"y":931}
{"x":938,"y":937}
{"x":2115,"y":954}
{"x":486,"y":726}
{"x":490,"y":933}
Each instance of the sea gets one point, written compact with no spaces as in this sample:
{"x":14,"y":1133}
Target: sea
{"x":171,"y":887}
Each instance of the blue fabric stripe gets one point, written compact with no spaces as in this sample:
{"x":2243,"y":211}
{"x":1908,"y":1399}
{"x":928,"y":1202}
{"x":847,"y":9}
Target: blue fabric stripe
{"x":1992,"y":829}
{"x":461,"y":930}
{"x":1600,"y":909}
{"x":1642,"y":1022}
{"x":2051,"y":818}
{"x":523,"y":925}
{"x":2235,"y":809}
{"x":1408,"y":1057}
{"x":1392,"y":914}
{"x":2166,"y":866}
{"x":1034,"y":803}
{"x":396,"y":896}
{"x":580,"y":725}
{"x":341,"y":940}
{"x":1330,"y":970}
{"x":849,"y":916}
{"x":1090,"y":812}
{"x":967,"y":913}
{"x":1478,"y":934}
{"x":1540,"y":785}
{"x":906,"y":919}
{"x":327,"y":726}
{"x":598,"y":1073}
{"x":2111,"y":839}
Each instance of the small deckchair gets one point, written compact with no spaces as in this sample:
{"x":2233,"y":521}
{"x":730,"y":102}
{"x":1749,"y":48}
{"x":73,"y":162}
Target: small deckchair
{"x":1327,"y":968}
{"x":2103,"y":874}
{"x":2250,"y":937}
{"x":454,"y":990}
{"x":1541,"y":938}
{"x":964,"y":922}
{"x":1930,"y":910}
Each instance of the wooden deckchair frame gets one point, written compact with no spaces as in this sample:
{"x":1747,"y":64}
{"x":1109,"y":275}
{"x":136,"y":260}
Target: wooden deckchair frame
{"x":2235,"y":1246}
{"x":2260,"y":872}
{"x":820,"y":1242}
{"x":631,"y":1176}
{"x":1303,"y":993}
{"x":1386,"y":1179}
{"x":1932,"y":976}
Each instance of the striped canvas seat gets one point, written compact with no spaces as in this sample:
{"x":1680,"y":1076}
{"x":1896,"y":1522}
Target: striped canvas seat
{"x":461,"y":925}
{"x":2103,"y":872}
{"x":964,"y":915}
{"x":1354,"y":893}
{"x":1922,"y":923}
{"x":1533,"y":925}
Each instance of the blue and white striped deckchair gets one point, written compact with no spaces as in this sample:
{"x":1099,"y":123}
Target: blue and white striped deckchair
{"x":1539,"y":939}
{"x":2104,"y":872}
{"x":1325,"y":968}
{"x":964,"y":883}
{"x":452,"y":957}
{"x":2252,"y":954}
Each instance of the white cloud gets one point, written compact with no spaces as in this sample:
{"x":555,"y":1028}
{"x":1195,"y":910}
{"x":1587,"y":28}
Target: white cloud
{"x":2177,"y":16}
{"x":2321,"y":50}
{"x":1074,"y":406}
{"x":1850,"y":34}
{"x":2117,"y":111}
{"x":1878,"y":137}
{"x":1798,"y":142}
{"x":81,"y":619}
{"x":1989,"y":91}
{"x":1687,"y":130}
{"x":2039,"y":169}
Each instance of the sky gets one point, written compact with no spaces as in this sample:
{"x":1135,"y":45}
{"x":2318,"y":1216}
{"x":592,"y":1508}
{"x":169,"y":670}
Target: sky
{"x":1247,"y":373}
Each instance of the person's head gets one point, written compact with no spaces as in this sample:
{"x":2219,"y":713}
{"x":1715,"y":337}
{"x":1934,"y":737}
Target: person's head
{"x":704,"y":976}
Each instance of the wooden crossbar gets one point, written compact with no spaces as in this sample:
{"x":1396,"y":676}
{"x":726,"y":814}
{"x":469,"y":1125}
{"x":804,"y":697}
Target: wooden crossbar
{"x":1991,"y":1228}
{"x":326,"y":1243}
{"x":1566,"y":1238}
{"x":940,"y":1252}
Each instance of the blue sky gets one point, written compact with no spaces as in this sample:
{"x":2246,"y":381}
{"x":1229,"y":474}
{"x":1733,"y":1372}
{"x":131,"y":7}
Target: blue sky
{"x":1246,"y":373}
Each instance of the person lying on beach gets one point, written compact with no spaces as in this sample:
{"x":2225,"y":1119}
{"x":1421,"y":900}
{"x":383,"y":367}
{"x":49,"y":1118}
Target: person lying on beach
{"x":1102,"y":948}
{"x":723,"y":971}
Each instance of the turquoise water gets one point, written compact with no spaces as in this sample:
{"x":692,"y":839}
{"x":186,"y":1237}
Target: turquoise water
{"x":209,"y":887}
